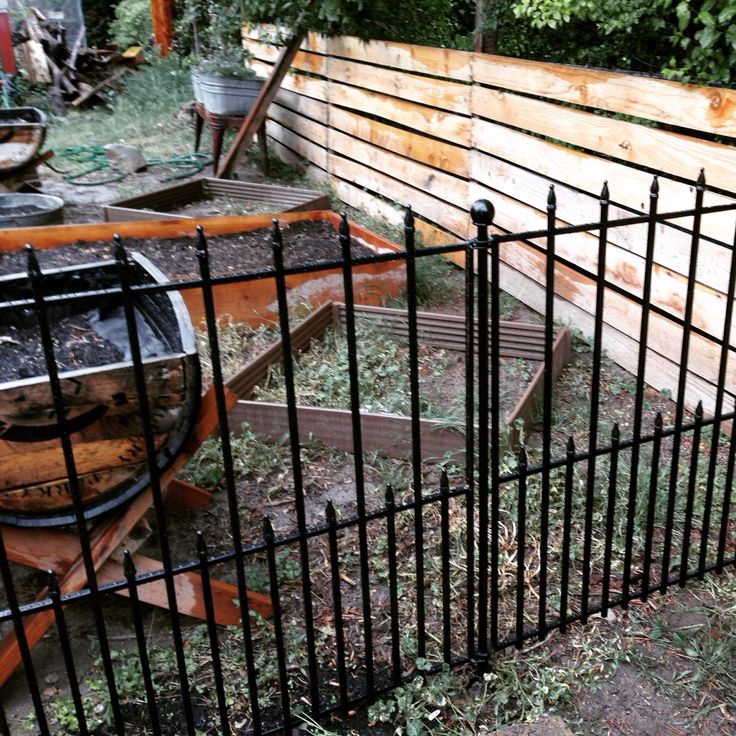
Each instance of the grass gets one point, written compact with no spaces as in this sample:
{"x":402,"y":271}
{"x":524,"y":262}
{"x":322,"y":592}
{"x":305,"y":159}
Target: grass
{"x":144,"y":113}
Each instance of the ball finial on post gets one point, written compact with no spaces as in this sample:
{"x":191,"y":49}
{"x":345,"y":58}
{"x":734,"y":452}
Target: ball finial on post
{"x":482,"y":212}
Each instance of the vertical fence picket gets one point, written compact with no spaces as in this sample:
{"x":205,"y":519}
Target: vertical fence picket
{"x":690,"y":500}
{"x":595,"y":381}
{"x":66,"y":651}
{"x":549,"y":336}
{"x":566,"y":533}
{"x":521,"y":549}
{"x":296,"y":464}
{"x":610,"y":520}
{"x":278,"y":628}
{"x":212,"y":635}
{"x":123,"y":266}
{"x":228,"y":464}
{"x":651,"y":508}
{"x":140,"y":639}
{"x":36,"y":282}
{"x":726,"y":506}
{"x":393,"y":586}
{"x":482,"y":214}
{"x":365,"y":581}
{"x":21,"y":639}
{"x":342,"y":675}
{"x":639,"y":392}
{"x":682,"y":380}
{"x":470,"y":539}
{"x":445,"y":554}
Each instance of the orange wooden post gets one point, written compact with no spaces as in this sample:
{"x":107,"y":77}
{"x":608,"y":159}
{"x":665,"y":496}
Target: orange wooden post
{"x":6,"y":43}
{"x":162,"y":13}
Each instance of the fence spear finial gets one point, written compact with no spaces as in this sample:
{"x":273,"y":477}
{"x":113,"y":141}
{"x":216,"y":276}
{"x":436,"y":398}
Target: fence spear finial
{"x":701,"y":179}
{"x":605,"y":196}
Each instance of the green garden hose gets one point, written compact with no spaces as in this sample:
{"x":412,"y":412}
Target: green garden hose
{"x":92,"y":159}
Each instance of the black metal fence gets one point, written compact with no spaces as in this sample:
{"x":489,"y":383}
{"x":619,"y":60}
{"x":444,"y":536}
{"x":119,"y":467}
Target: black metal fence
{"x":478,"y":553}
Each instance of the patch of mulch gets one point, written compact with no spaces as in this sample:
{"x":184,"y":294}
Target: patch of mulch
{"x":304,"y":243}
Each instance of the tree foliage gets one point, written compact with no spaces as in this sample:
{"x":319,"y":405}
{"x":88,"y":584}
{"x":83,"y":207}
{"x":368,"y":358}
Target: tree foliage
{"x":691,"y":40}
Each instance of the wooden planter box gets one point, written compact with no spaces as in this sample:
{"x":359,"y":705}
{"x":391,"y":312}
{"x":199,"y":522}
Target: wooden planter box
{"x":158,"y":205}
{"x":103,"y":405}
{"x":254,"y":301}
{"x":390,"y":434}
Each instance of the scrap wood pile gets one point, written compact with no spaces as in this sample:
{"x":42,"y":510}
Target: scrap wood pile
{"x":73,"y":73}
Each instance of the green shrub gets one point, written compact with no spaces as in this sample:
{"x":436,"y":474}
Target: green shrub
{"x":132,"y":24}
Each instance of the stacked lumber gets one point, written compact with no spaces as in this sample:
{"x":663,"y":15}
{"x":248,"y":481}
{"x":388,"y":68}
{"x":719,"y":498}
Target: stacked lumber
{"x":74,"y":74}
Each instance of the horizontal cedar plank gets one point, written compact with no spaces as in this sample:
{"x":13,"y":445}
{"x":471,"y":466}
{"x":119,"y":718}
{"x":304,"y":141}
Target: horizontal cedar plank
{"x":309,"y":129}
{"x":657,"y":149}
{"x":447,"y":216}
{"x":404,"y":57}
{"x":622,"y":267}
{"x":418,"y":147}
{"x":443,"y":94}
{"x":575,"y":207}
{"x":429,"y":180}
{"x":627,"y":186}
{"x":298,"y":144}
{"x":298,"y":83}
{"x":709,"y":109}
{"x":446,"y":126}
{"x":303,"y":105}
{"x":379,"y":207}
{"x":661,"y":373}
{"x":448,"y":63}
{"x":304,"y":61}
{"x":664,"y":336}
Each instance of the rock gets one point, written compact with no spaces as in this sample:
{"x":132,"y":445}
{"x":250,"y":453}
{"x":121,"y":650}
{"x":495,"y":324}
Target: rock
{"x":545,"y":726}
{"x":124,"y":157}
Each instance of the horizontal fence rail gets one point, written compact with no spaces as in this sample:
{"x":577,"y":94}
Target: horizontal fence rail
{"x":298,"y":580}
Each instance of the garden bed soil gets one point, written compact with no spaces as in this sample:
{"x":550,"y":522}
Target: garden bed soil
{"x":76,"y":345}
{"x":305,"y":243}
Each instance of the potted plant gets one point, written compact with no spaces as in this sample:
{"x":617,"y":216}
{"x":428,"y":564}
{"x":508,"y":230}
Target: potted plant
{"x":222,"y":80}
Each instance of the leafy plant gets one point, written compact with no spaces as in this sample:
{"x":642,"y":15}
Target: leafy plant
{"x":132,"y":24}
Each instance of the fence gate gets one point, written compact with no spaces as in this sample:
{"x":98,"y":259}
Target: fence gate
{"x":486,"y":476}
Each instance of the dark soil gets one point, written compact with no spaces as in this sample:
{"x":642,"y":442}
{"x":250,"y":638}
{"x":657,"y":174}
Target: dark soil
{"x":76,"y":344}
{"x":304,"y":242}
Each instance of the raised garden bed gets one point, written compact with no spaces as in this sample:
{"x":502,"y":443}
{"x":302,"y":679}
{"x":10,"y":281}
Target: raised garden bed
{"x":209,"y":196}
{"x":254,"y":301}
{"x":97,"y":382}
{"x":390,"y":434}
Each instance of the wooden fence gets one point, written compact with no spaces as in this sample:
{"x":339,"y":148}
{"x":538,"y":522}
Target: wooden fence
{"x":387,"y":123}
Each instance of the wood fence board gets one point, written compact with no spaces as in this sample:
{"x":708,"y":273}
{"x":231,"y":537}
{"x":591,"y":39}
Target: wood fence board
{"x":303,"y":105}
{"x":672,"y":253}
{"x":438,"y":154}
{"x":436,"y":62}
{"x":301,"y":84}
{"x":304,"y":61}
{"x":434,"y":210}
{"x":628,"y":186}
{"x":307,"y":128}
{"x":446,"y":126}
{"x":443,"y":94}
{"x":664,"y":336}
{"x":298,"y":144}
{"x":709,"y":109}
{"x":661,"y":373}
{"x":431,"y":181}
{"x":640,"y":145}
